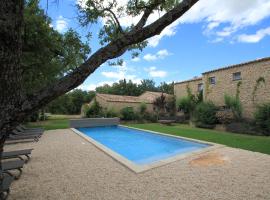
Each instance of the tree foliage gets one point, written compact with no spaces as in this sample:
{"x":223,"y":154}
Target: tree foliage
{"x":129,"y":88}
{"x":47,"y":55}
{"x":70,"y":103}
{"x":262,"y":118}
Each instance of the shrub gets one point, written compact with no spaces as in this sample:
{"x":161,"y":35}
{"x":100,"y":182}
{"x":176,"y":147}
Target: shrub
{"x":205,"y":115}
{"x":95,"y":110}
{"x":128,"y":113}
{"x":142,"y":108}
{"x":234,"y":104}
{"x":84,"y":110}
{"x":150,"y":117}
{"x":225,"y":116}
{"x":170,"y":105}
{"x":111,"y":113}
{"x":262,"y":118}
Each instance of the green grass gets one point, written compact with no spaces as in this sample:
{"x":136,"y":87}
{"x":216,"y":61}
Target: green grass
{"x":248,"y":142}
{"x":50,"y":124}
{"x":54,"y":122}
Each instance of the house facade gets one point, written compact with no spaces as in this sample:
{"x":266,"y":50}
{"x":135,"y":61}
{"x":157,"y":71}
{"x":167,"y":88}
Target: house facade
{"x":251,"y":79}
{"x":118,"y":102}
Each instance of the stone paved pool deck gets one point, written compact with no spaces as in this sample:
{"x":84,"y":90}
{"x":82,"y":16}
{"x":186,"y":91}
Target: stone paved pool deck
{"x":65,"y":166}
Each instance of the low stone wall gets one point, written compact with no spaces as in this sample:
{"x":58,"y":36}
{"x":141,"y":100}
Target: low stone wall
{"x":91,"y":122}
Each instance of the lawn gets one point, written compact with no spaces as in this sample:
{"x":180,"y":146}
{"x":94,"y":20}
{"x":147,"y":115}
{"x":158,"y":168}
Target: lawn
{"x":54,"y":122}
{"x":248,"y":142}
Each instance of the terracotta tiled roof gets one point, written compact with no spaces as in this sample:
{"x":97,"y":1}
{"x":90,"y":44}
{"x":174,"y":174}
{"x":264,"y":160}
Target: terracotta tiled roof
{"x":238,"y":65}
{"x":119,"y":98}
{"x":151,"y":96}
{"x":189,"y":80}
{"x":146,"y":97}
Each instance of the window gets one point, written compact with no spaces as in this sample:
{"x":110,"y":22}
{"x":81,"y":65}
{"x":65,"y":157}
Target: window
{"x":237,"y":76}
{"x":212,"y":80}
{"x":200,"y":87}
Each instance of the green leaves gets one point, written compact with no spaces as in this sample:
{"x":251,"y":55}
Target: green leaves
{"x":47,"y":55}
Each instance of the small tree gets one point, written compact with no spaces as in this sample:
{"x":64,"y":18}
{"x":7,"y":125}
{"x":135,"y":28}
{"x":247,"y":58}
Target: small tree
{"x":235,"y":105}
{"x":159,"y":104}
{"x":262,"y":118}
{"x":188,"y":103}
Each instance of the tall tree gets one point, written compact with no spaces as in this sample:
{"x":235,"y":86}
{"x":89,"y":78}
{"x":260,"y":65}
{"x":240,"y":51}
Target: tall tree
{"x":15,"y":104}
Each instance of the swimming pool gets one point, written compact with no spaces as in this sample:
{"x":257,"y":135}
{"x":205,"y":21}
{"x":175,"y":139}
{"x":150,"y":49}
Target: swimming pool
{"x":139,"y":146}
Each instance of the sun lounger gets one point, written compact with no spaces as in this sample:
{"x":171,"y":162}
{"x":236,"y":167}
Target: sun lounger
{"x":31,"y":129}
{"x":20,"y":133}
{"x":19,"y":137}
{"x":16,"y":141}
{"x":4,"y":187}
{"x":18,"y":154}
{"x":9,"y":166}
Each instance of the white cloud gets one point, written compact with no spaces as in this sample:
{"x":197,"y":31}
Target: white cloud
{"x":122,"y":72}
{"x":223,"y":18}
{"x":159,"y":55}
{"x":91,"y":86}
{"x":61,"y":24}
{"x":153,"y":72}
{"x":253,"y":38}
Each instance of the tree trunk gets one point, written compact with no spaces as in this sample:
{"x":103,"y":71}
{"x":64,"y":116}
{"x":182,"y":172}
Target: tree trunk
{"x":11,"y":17}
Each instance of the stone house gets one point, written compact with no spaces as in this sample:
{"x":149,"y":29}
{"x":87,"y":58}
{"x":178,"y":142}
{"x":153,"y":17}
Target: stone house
{"x":118,"y":102}
{"x":252,"y":79}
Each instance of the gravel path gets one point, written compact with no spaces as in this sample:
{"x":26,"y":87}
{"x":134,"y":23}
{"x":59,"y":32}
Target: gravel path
{"x":66,"y":167}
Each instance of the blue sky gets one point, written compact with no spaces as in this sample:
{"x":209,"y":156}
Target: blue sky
{"x":213,"y":34}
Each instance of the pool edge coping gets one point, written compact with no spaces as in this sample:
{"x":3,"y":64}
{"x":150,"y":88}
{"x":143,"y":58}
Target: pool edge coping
{"x":139,"y":169}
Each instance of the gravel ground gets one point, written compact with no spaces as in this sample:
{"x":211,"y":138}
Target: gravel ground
{"x":65,"y":166}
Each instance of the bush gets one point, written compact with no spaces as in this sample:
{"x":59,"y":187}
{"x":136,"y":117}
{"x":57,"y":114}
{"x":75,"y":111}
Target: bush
{"x":150,"y":117}
{"x":170,"y":105}
{"x":234,"y":104}
{"x":205,"y":115}
{"x":262,"y":118}
{"x":142,"y":108}
{"x":111,"y":113}
{"x":95,"y":110}
{"x":225,"y":116}
{"x":128,"y":113}
{"x":84,"y":110}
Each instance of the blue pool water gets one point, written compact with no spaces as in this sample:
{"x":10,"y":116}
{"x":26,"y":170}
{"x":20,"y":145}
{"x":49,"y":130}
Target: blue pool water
{"x":140,"y":147}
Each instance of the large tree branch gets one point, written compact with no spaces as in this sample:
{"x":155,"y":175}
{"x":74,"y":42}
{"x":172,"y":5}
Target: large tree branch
{"x":113,"y":50}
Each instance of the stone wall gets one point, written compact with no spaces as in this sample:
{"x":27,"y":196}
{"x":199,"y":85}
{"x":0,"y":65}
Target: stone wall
{"x":225,"y":84}
{"x":117,"y":106}
{"x":250,"y":73}
{"x":180,"y":89}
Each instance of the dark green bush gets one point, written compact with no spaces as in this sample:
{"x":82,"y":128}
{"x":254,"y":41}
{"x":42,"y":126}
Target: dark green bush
{"x":262,"y":118}
{"x":235,"y":105}
{"x":95,"y":110}
{"x":128,"y":113}
{"x":111,"y":113}
{"x":142,"y":108}
{"x":205,"y":115}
